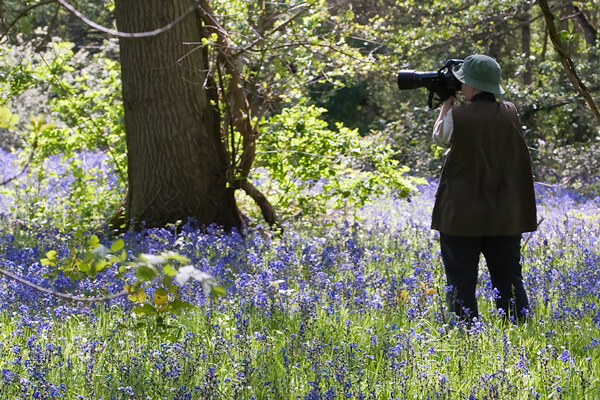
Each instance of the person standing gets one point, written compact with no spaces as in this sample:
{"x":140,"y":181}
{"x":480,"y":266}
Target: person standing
{"x":485,"y":199}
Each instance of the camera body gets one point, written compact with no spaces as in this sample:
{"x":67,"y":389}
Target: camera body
{"x":442,"y":82}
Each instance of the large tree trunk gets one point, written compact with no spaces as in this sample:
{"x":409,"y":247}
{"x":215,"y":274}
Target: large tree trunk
{"x":178,"y":163}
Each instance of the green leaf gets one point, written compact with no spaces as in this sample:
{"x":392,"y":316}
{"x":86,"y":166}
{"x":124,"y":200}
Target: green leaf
{"x":178,"y":305}
{"x":138,"y":297}
{"x":167,"y":281}
{"x":160,"y":297}
{"x":50,"y":258}
{"x":169,"y":270}
{"x":118,"y":258}
{"x":94,"y":241}
{"x":145,"y":272}
{"x":173,"y":289}
{"x":217,"y":291}
{"x":100,"y":265}
{"x":7,"y":118}
{"x":116,"y":246}
{"x":146,"y":309}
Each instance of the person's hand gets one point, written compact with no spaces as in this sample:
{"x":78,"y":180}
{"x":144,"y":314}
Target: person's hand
{"x":448,"y":104}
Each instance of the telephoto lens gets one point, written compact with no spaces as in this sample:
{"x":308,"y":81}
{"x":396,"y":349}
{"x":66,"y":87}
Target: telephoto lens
{"x":410,"y":79}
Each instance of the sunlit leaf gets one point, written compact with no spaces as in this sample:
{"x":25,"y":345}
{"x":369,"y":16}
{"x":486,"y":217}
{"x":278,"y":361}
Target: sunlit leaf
{"x":117,"y":246}
{"x":160,"y":296}
{"x":217,"y":291}
{"x":7,"y":118}
{"x":146,"y":309}
{"x":169,"y":270}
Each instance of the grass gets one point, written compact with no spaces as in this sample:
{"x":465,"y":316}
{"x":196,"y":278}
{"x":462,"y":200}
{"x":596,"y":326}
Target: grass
{"x":338,"y":311}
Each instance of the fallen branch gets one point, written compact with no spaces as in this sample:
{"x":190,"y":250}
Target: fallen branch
{"x":62,"y":295}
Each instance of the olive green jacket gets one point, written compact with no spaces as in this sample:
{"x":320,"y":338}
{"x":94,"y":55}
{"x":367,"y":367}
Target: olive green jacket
{"x":486,"y":185}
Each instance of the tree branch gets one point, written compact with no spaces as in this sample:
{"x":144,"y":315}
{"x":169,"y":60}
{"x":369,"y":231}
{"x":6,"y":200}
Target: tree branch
{"x":278,"y":28}
{"x":566,"y":61}
{"x":22,"y":14}
{"x":23,"y":169}
{"x":62,"y":295}
{"x":266,"y":208}
{"x":117,"y":33}
{"x":239,"y":110}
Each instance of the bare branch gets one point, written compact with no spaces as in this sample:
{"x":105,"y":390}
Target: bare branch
{"x":12,"y":178}
{"x":281,"y":26}
{"x":22,"y":14}
{"x":238,"y":106}
{"x":62,"y":295}
{"x":566,"y":61}
{"x":25,"y":166}
{"x":117,"y":33}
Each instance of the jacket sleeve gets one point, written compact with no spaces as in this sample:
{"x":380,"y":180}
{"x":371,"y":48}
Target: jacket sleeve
{"x":442,"y":131}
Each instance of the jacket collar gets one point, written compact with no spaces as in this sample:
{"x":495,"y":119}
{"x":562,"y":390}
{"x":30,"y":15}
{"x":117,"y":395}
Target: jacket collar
{"x":483,"y":96}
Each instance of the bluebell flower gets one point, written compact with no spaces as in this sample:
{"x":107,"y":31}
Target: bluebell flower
{"x":329,"y":394}
{"x":7,"y":375}
{"x":127,"y":390}
{"x":373,"y":339}
{"x":565,"y":356}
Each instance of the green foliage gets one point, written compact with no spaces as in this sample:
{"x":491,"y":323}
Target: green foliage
{"x":73,"y":105}
{"x":353,"y":103}
{"x":152,"y":281}
{"x":422,"y":35}
{"x":341,"y":55}
{"x":8,"y":120}
{"x":23,"y":20}
{"x":308,"y":168}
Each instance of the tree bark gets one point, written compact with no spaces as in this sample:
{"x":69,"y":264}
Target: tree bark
{"x":178,"y":163}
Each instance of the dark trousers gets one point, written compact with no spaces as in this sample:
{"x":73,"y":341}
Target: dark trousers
{"x":502,"y":255}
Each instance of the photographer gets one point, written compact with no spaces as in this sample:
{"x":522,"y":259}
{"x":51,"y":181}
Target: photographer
{"x":485,"y":198}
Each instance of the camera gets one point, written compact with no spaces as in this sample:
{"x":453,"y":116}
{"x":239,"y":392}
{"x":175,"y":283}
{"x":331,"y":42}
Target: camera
{"x":441,"y":83}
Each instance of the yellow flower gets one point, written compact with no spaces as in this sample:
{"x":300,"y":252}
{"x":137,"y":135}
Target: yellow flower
{"x":428,"y":291}
{"x":403,"y":295}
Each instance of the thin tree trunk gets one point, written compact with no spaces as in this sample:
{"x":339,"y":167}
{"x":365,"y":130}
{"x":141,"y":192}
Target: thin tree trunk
{"x":589,"y":30}
{"x":526,"y":46}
